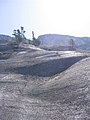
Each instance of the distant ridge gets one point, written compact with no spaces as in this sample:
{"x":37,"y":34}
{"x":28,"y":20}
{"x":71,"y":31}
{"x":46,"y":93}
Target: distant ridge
{"x":5,"y":38}
{"x":57,"y":39}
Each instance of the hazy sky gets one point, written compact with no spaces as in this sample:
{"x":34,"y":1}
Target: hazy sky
{"x":70,"y":17}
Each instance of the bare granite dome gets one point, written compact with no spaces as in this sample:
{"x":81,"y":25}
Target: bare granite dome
{"x":45,"y":85}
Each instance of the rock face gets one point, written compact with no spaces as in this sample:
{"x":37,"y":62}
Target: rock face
{"x":5,"y":42}
{"x":69,"y":92}
{"x":63,"y":40}
{"x":5,"y":38}
{"x":45,"y":85}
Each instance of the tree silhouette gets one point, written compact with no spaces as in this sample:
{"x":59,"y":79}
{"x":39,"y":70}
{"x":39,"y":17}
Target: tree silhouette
{"x":35,"y":41}
{"x":72,"y":44}
{"x":19,"y":35}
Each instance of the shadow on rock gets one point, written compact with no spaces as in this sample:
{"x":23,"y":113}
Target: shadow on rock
{"x":49,"y":68}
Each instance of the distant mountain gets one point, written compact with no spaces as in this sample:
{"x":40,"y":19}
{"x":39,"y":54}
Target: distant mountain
{"x":5,"y":41}
{"x":63,"y":40}
{"x":5,"y":38}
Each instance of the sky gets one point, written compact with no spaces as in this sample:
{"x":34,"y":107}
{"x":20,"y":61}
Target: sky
{"x":67,"y":17}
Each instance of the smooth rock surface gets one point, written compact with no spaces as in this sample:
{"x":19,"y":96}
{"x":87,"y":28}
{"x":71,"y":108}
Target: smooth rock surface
{"x":47,"y":93}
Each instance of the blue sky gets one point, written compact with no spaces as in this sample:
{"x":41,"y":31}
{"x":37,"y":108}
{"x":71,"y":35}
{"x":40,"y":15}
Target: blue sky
{"x":69,"y":17}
